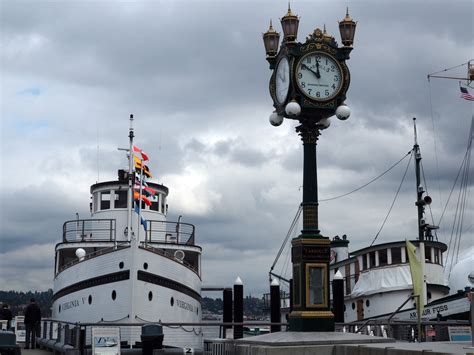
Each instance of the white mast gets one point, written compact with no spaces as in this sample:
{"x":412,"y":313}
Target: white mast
{"x":130,"y":182}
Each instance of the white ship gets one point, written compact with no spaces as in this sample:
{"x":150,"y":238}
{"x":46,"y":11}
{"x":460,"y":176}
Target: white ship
{"x":377,"y":279}
{"x":126,"y":267}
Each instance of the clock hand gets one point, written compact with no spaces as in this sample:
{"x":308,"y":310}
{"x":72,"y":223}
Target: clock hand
{"x":317,"y":69}
{"x":311,"y":70}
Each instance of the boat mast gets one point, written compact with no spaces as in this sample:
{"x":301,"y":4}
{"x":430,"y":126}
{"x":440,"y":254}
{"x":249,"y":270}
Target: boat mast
{"x":419,"y":188}
{"x":130,"y":182}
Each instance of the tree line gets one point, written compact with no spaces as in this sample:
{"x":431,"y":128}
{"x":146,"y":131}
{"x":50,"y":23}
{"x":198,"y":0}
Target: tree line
{"x":18,"y":300}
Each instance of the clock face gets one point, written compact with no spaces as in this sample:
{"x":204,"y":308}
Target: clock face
{"x":319,"y":76}
{"x":282,"y":80}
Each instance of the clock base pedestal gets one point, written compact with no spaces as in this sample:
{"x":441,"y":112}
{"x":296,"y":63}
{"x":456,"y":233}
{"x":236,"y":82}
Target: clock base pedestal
{"x":310,"y":321}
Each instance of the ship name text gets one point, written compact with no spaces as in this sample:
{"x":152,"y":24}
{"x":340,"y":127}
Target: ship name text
{"x":185,"y":305}
{"x":431,"y":311}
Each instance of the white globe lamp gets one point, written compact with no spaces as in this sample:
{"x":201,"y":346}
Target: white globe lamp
{"x":80,"y":253}
{"x":276,"y":119}
{"x":343,"y":112}
{"x":325,"y":123}
{"x":293,"y":109}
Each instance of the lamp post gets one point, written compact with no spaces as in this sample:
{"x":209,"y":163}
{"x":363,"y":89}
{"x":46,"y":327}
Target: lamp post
{"x":309,"y":84}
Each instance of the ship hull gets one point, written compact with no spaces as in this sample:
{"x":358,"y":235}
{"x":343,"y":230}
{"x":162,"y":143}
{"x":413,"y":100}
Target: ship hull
{"x":131,"y":285}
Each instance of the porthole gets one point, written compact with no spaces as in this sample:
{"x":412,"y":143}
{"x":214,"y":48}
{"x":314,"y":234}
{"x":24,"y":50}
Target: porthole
{"x":150,"y":296}
{"x":59,"y":308}
{"x":121,"y":265}
{"x":145,"y":266}
{"x":353,"y":305}
{"x":367,"y":303}
{"x":172,"y":301}
{"x":114,"y":295}
{"x":197,"y":310}
{"x":90,"y":299}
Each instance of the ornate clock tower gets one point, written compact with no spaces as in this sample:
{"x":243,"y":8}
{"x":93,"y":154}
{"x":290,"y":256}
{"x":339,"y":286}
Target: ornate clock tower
{"x":309,"y":84}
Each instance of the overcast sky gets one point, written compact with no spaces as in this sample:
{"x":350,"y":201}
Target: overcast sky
{"x":195,"y":77}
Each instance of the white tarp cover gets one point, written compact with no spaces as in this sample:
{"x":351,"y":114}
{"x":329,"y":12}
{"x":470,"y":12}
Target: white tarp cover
{"x":382,"y":280}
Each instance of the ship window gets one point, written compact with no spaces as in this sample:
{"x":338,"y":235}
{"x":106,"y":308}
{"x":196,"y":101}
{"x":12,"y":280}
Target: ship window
{"x":163,"y":204}
{"x":383,"y":257}
{"x":150,"y":296}
{"x":428,"y":254}
{"x":172,"y":301}
{"x":121,"y":265}
{"x":114,"y":295}
{"x":372,"y":259}
{"x":105,"y":200}
{"x":367,"y":303}
{"x":120,"y":199}
{"x":145,"y":266}
{"x":154,"y":203}
{"x":90,"y":299}
{"x":396,"y":255}
{"x":353,"y":305}
{"x":436,"y":255}
{"x":364,"y":262}
{"x":59,"y":308}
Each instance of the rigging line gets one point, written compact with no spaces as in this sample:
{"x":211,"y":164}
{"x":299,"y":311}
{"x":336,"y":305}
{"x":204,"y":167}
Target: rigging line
{"x":435,"y":145}
{"x":465,"y":193}
{"x":287,"y":257}
{"x":456,"y":226}
{"x":287,"y":236}
{"x":441,"y":71}
{"x":371,"y":181}
{"x":393,"y":202}
{"x":464,"y":162}
{"x":452,"y":188}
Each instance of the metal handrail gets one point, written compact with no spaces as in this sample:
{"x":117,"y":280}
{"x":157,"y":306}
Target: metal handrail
{"x":169,"y":232}
{"x":80,"y":230}
{"x":170,"y":256}
{"x":92,"y":255}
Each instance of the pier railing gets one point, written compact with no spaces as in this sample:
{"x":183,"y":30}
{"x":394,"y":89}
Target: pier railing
{"x":76,"y":338}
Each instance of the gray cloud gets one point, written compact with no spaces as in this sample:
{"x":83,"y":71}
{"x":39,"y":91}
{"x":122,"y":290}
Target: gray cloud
{"x":194,"y":75}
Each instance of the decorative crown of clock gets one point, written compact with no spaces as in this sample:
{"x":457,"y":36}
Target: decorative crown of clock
{"x":310,"y":79}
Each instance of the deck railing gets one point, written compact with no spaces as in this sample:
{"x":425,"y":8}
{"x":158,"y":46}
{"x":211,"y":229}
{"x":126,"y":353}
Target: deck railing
{"x":100,"y":230}
{"x":89,"y":230}
{"x":169,"y":232}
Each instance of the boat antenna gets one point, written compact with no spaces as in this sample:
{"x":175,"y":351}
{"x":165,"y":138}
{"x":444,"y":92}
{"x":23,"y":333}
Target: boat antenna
{"x":130,"y":182}
{"x":98,"y":156}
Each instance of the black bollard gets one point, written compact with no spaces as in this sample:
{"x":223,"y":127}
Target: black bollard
{"x":238,"y":308}
{"x":275,"y":305}
{"x":338,"y":297}
{"x":227,"y":311}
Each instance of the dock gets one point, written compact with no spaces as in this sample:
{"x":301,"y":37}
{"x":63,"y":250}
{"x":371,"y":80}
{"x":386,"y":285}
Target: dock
{"x":397,"y":348}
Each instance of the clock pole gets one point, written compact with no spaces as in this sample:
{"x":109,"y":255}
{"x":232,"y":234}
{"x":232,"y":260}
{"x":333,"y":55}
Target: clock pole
{"x":319,"y":79}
